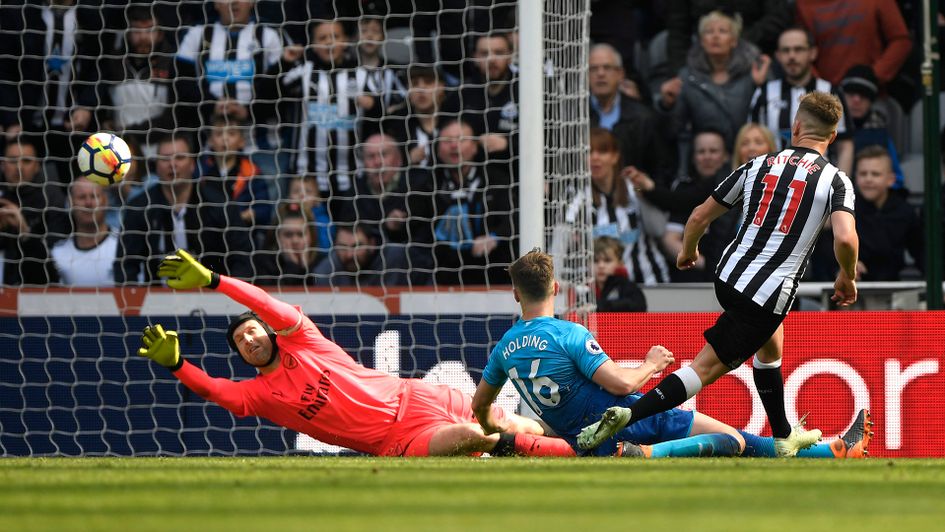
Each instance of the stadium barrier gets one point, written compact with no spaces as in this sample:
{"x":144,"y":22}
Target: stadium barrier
{"x":834,"y":364}
{"x":71,"y":384}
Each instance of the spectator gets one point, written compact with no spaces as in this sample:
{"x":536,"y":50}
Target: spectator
{"x":304,"y":191}
{"x":228,"y":170}
{"x":292,"y":252}
{"x":382,"y":188}
{"x":626,"y":26}
{"x":32,"y":217}
{"x":233,"y":63}
{"x":382,"y":80}
{"x":856,"y":32}
{"x":710,"y":164}
{"x":615,"y":291}
{"x":860,"y":90}
{"x":774,"y":103}
{"x":618,"y":212}
{"x":176,"y":213}
{"x":135,"y":182}
{"x":887,"y":225}
{"x":490,"y":102}
{"x":638,"y":127}
{"x":439,"y":28}
{"x":763,"y":20}
{"x":718,"y":81}
{"x":358,"y":259}
{"x":468,"y":215}
{"x":49,"y":50}
{"x":88,"y":257}
{"x":414,"y":122}
{"x":334,"y":103}
{"x":140,"y":94}
{"x":753,"y":139}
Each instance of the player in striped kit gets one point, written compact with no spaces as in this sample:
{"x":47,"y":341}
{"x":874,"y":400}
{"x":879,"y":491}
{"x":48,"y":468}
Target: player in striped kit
{"x":786,"y":197}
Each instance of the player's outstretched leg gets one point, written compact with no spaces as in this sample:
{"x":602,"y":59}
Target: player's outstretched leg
{"x":763,"y":447}
{"x":522,"y":444}
{"x":614,"y":419}
{"x":800,"y":438}
{"x":468,"y":438}
{"x":853,"y":444}
{"x":702,"y":445}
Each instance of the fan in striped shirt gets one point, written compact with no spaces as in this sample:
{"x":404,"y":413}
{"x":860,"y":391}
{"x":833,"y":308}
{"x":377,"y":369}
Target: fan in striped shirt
{"x":775,"y":102}
{"x":786,"y":197}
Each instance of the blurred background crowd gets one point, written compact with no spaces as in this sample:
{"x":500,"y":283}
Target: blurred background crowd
{"x":365,"y":143}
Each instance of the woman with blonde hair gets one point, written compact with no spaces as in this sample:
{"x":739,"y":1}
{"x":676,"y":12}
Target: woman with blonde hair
{"x":715,"y":87}
{"x":751,"y":141}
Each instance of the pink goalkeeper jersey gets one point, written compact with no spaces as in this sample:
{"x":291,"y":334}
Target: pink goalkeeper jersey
{"x":317,"y":390}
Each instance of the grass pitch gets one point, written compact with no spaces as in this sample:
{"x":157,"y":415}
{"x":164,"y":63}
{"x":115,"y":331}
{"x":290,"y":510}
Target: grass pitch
{"x":590,"y":495}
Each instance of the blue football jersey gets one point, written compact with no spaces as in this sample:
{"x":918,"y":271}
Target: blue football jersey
{"x":551,"y":362}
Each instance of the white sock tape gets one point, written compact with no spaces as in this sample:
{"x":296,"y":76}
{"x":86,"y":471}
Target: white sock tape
{"x":690,"y":380}
{"x":765,"y":365}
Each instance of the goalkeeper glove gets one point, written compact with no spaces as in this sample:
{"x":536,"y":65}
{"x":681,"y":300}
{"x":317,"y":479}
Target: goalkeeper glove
{"x":161,"y":347}
{"x":183,"y":272}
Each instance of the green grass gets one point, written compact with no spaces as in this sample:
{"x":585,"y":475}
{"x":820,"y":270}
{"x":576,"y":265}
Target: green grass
{"x":334,"y":494}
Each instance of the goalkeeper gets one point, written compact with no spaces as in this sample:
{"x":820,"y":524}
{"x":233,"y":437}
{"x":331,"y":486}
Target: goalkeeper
{"x":310,"y":385}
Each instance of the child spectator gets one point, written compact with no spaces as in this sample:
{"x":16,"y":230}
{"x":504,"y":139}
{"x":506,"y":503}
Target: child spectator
{"x":331,"y":102}
{"x":227,"y":169}
{"x":382,"y":79}
{"x":304,"y":191}
{"x":887,"y":225}
{"x":615,"y":291}
{"x":292,"y":249}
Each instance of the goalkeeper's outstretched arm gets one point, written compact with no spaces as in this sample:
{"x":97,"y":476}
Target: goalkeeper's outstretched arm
{"x":184,"y":272}
{"x":163,"y":347}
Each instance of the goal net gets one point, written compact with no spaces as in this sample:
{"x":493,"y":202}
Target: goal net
{"x":358,"y":159}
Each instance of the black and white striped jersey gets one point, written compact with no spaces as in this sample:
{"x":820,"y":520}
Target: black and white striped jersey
{"x":786,"y":197}
{"x":642,"y":255}
{"x":229,"y":63}
{"x":774,"y":105}
{"x":330,"y":121}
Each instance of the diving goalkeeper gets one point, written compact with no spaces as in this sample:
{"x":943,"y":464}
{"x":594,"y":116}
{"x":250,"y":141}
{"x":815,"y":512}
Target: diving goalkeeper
{"x":308,"y":384}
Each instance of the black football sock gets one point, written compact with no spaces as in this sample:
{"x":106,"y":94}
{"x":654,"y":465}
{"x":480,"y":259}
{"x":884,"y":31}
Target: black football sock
{"x":770,"y":385}
{"x":668,"y":394}
{"x":671,"y":392}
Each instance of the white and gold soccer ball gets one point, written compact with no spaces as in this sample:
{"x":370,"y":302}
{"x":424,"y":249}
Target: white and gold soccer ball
{"x":104,"y":158}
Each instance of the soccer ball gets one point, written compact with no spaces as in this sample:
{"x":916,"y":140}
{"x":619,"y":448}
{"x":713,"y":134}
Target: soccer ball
{"x":104,"y":158}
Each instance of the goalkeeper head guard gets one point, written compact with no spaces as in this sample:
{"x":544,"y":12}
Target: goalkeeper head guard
{"x":243,"y":318}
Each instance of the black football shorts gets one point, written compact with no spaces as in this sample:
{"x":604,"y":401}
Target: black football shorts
{"x":743,"y":327}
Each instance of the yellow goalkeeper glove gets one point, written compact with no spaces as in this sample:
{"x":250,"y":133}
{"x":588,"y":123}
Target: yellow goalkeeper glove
{"x":183,"y":272}
{"x":161,"y":347}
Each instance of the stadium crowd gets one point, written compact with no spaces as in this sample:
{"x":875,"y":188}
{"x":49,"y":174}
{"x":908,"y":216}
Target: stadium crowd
{"x":280,"y":144}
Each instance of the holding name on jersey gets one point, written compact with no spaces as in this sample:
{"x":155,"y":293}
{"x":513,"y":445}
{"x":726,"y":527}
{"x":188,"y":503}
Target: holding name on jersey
{"x":104,"y":158}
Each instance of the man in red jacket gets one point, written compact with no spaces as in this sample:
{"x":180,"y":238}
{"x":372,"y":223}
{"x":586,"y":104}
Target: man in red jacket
{"x":856,"y":32}
{"x":308,"y":384}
